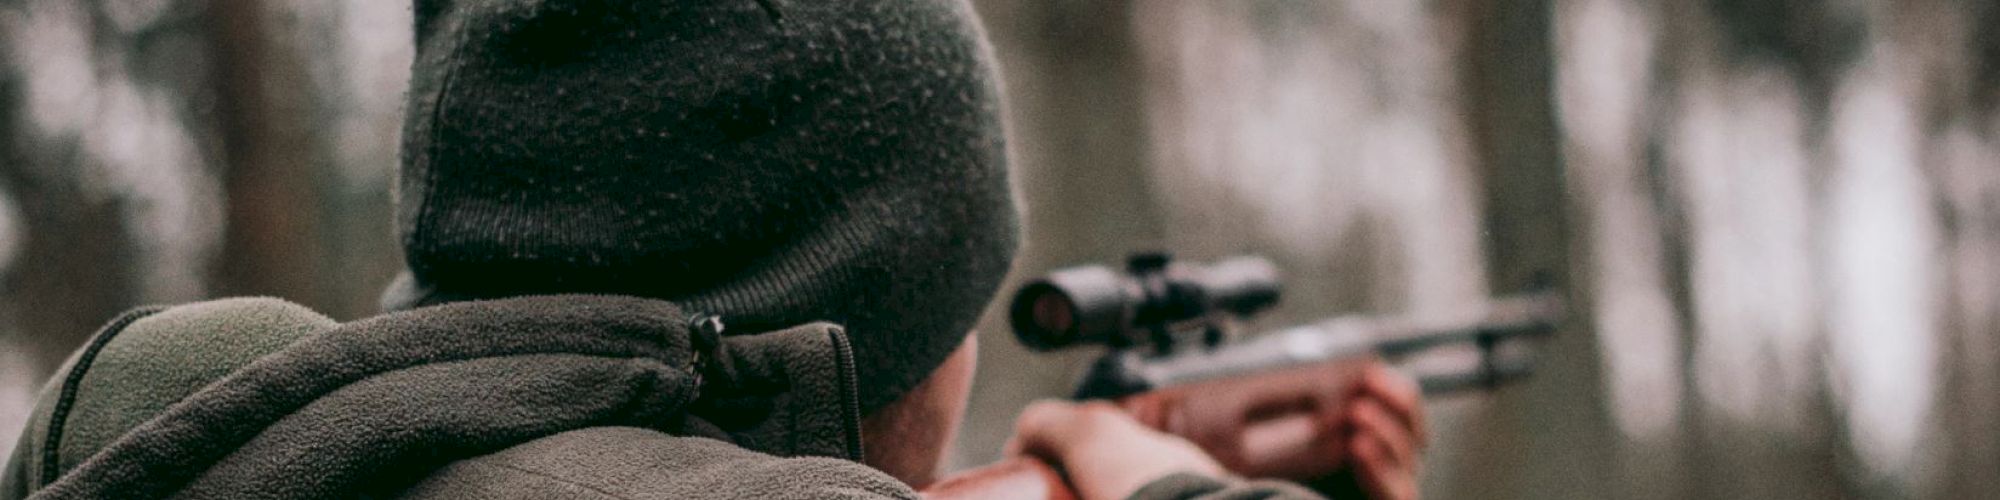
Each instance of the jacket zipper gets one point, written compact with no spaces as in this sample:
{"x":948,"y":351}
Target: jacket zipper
{"x":850,"y":398}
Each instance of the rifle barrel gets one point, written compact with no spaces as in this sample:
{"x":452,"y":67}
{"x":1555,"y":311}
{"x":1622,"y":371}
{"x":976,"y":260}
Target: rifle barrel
{"x":1351,"y":336}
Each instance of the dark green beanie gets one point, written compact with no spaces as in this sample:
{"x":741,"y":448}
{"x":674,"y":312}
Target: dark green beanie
{"x":771,"y":161}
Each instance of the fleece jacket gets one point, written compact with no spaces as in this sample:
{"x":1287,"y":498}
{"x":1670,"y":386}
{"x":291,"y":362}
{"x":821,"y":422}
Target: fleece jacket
{"x":532,"y":397}
{"x":259,"y":398}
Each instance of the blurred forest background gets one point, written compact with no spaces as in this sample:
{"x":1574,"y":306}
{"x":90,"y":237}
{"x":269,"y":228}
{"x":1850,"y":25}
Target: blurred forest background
{"x":1778,"y":220}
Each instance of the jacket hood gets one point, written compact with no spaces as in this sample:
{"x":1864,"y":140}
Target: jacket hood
{"x":234,"y":398}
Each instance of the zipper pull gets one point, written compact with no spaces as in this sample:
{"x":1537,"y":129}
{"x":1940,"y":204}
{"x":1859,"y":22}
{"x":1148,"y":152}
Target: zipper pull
{"x":705,"y":337}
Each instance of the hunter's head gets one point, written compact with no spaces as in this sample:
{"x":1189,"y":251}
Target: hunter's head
{"x":774,"y":163}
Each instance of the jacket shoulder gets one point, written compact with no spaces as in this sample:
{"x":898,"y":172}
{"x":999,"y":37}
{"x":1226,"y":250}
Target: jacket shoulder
{"x":632,"y":464}
{"x":139,"y":364}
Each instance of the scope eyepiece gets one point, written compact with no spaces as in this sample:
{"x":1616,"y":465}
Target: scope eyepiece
{"x":1094,"y":304}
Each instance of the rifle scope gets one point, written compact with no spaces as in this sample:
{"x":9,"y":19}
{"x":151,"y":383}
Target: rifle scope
{"x":1095,"y":304}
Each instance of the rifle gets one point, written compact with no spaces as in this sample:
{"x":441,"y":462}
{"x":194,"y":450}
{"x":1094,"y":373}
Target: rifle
{"x":1173,"y":363}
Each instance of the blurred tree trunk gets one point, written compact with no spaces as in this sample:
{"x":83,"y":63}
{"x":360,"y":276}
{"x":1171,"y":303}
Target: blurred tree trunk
{"x":310,"y":137}
{"x":1507,"y":75}
{"x":273,"y":158}
{"x":1077,"y":146}
{"x":1958,"y":72}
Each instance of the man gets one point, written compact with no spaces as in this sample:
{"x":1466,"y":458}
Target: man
{"x":655,"y":250}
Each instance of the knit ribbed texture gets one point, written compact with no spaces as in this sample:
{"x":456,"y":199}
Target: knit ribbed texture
{"x":774,"y":162}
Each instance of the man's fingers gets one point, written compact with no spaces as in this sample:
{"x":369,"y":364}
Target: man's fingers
{"x":1371,"y":419}
{"x":1398,"y":394}
{"x":1380,"y":476}
{"x":1371,"y":458}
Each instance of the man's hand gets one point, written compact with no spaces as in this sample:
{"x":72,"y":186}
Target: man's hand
{"x":1107,"y":454}
{"x":1366,"y":417}
{"x":1381,"y":432}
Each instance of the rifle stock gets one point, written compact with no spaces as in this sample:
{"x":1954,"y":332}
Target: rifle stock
{"x":1263,"y":425}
